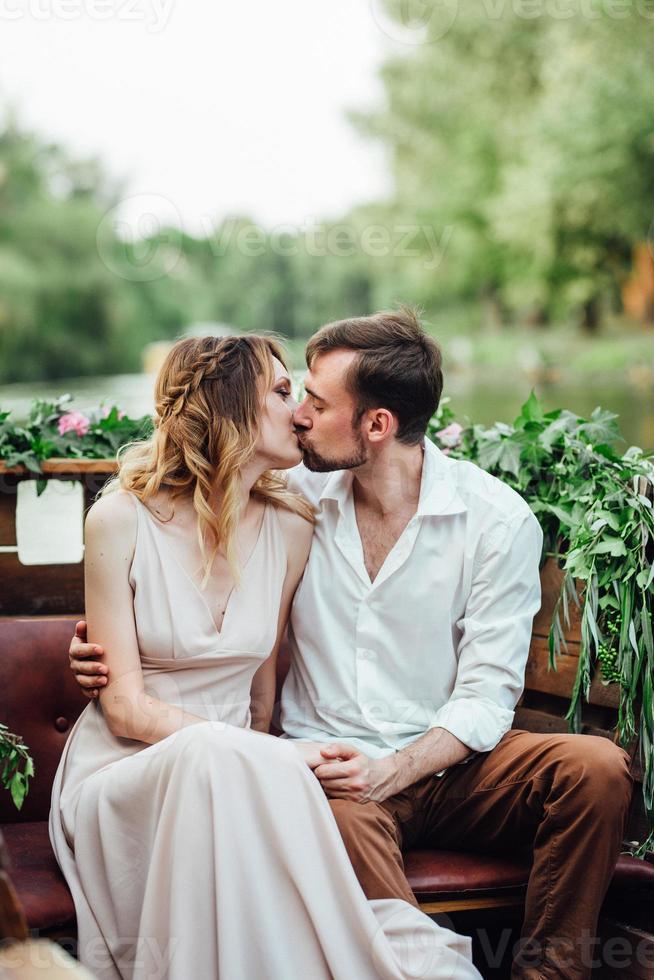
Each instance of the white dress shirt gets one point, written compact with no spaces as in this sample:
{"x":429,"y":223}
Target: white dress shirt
{"x":439,"y":639}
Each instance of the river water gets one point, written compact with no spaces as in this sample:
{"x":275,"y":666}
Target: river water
{"x":483,"y":400}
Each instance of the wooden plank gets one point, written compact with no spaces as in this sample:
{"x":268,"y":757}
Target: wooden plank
{"x":542,"y":722}
{"x":39,"y":589}
{"x":67,"y":466}
{"x":44,"y":589}
{"x":463,"y":904}
{"x":540,"y":677}
{"x":539,"y":721}
{"x":551,"y":577}
{"x":7,"y":519}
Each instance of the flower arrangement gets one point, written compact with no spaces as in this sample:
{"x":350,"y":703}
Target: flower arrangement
{"x":53,"y":429}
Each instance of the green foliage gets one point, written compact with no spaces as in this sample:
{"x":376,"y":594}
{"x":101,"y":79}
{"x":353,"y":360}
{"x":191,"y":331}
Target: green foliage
{"x":595,"y":508}
{"x":99,"y":434}
{"x":530,"y":136}
{"x":522,"y":157}
{"x":17,"y":765}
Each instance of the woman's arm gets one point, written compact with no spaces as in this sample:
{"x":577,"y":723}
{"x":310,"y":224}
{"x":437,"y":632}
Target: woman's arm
{"x":110,"y":534}
{"x":297,"y":536}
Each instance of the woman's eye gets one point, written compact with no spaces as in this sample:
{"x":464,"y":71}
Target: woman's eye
{"x":284,"y":393}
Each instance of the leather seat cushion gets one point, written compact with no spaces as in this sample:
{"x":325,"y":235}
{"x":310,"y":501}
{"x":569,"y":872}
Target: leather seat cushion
{"x":439,"y":874}
{"x":433,"y":875}
{"x":36,"y":877}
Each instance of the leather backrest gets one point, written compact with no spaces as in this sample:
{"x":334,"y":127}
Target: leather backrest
{"x":39,"y":700}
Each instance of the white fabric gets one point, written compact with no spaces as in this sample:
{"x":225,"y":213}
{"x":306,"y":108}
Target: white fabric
{"x":214,"y":854}
{"x":439,"y":639}
{"x":50,"y":525}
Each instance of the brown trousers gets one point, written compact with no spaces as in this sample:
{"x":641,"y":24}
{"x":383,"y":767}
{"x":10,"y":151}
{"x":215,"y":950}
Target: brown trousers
{"x":563,"y":797}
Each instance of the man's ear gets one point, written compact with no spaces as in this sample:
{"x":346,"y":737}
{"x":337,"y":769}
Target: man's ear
{"x":380,"y":424}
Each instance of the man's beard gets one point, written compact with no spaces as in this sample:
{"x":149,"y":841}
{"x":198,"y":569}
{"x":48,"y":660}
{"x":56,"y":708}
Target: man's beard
{"x":321,"y":464}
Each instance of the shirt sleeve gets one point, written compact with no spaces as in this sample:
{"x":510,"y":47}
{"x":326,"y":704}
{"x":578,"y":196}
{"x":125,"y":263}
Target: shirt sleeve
{"x":495,"y":635}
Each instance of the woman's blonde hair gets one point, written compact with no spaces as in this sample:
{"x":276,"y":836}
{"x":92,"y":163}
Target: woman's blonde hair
{"x":208,"y":398}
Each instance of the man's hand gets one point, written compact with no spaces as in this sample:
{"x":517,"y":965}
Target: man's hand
{"x":89,"y":673}
{"x":353,"y":776}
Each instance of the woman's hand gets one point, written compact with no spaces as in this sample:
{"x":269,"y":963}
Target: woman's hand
{"x":310,"y":751}
{"x":89,"y":673}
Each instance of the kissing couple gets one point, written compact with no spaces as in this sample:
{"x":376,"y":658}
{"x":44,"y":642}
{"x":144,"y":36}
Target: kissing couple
{"x":195,"y":843}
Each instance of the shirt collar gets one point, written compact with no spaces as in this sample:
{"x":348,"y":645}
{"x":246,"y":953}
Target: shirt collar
{"x":438,"y":486}
{"x":338,"y":488}
{"x":439,"y":492}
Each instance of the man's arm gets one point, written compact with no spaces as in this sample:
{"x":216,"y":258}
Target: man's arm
{"x":492,"y":655}
{"x":357,"y":778}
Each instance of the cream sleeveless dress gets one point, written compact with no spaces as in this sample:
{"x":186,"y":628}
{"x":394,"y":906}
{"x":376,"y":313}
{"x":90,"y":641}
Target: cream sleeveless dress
{"x":214,"y":852}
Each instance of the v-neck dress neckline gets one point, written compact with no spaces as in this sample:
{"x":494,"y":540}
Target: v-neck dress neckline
{"x":262,"y":534}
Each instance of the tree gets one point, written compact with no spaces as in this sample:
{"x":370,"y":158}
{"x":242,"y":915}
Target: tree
{"x":531,"y":137}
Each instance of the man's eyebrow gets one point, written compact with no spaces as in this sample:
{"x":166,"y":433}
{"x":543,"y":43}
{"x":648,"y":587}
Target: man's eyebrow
{"x":313,"y":394}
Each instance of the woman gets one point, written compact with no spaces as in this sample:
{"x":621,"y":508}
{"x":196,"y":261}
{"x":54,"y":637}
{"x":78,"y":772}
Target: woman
{"x":195,"y":846}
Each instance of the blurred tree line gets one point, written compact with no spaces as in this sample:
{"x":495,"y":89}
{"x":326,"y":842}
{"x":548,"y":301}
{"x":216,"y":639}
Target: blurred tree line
{"x":522,"y":154}
{"x":527,"y":127}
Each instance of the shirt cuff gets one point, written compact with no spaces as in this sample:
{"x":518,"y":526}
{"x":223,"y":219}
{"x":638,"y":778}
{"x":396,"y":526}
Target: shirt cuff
{"x":478,"y":723}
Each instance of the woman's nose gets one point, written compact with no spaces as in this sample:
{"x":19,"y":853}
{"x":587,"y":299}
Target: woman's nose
{"x":300,"y":418}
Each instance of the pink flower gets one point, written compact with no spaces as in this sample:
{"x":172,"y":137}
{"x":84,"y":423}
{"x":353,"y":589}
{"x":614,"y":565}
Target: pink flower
{"x":106,"y":412}
{"x":74,"y":422}
{"x":450,"y":436}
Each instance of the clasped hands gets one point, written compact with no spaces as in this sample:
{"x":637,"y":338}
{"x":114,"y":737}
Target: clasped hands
{"x":345,"y":773}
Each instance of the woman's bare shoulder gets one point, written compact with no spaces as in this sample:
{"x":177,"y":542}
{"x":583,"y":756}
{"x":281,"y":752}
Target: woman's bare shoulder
{"x":294,"y":526}
{"x":113,"y":516}
{"x":297,"y":532}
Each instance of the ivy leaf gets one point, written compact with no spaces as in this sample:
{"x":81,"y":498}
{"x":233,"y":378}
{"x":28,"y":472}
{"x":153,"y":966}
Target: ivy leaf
{"x":18,"y":789}
{"x":565,"y":422}
{"x":509,"y":460}
{"x":602,"y":427}
{"x":564,"y":516}
{"x":609,"y":545}
{"x":26,"y":459}
{"x":531,"y":411}
{"x":608,"y":518}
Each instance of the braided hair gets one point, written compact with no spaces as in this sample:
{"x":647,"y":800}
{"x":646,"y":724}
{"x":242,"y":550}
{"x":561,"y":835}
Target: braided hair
{"x":207,"y":407}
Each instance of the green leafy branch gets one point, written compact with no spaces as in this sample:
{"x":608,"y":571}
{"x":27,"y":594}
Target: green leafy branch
{"x":17,"y":765}
{"x":595,"y":508}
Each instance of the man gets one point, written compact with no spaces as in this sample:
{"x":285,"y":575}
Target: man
{"x":410,"y":632}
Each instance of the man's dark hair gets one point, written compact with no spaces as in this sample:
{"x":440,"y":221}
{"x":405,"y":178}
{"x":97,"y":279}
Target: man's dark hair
{"x":398,"y":367}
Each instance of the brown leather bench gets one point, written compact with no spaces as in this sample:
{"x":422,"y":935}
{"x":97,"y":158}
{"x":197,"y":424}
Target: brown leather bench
{"x":40,"y":700}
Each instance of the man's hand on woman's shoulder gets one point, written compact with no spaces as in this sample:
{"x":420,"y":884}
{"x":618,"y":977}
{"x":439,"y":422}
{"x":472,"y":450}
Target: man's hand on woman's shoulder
{"x":85,"y":664}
